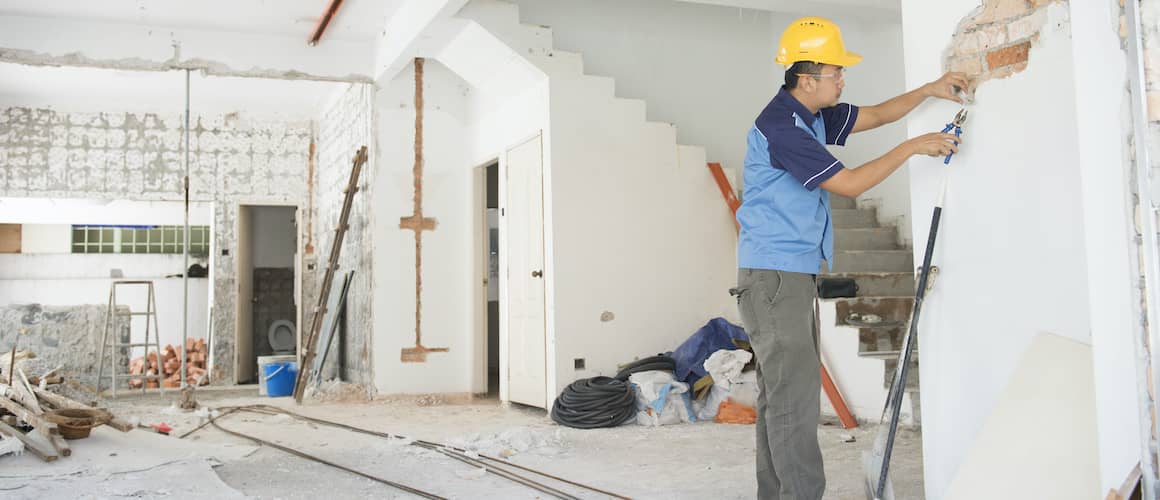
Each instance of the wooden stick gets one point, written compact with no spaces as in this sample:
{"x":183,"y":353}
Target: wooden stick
{"x":12,"y":360}
{"x":60,"y":444}
{"x":18,"y":396}
{"x":29,"y":444}
{"x":31,"y":402}
{"x":59,"y":401}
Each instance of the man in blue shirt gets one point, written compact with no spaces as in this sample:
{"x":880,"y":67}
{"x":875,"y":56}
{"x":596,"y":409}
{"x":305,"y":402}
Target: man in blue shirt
{"x":786,"y":233}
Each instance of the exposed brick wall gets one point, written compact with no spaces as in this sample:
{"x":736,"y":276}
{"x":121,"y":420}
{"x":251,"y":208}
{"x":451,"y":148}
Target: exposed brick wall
{"x":996,"y":40}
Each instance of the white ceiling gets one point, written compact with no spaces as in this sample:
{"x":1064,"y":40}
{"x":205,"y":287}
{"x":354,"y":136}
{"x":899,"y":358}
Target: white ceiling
{"x":93,"y":89}
{"x":357,"y":20}
{"x":877,"y":9}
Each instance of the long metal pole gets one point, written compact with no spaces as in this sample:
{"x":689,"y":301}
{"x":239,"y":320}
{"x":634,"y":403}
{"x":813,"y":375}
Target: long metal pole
{"x":185,"y":245}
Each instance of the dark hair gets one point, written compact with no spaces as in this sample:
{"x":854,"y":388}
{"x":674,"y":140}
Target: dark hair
{"x":800,"y":68}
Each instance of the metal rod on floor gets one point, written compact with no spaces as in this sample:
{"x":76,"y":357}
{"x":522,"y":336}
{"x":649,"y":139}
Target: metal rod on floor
{"x":185,"y":247}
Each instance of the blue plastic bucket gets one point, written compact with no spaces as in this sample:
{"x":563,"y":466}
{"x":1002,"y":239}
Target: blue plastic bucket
{"x":280,"y":378}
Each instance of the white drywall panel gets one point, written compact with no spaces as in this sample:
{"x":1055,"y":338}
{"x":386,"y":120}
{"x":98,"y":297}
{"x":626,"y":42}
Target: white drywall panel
{"x":448,"y":279}
{"x":1040,"y":439}
{"x":45,"y":238}
{"x":1099,"y":68}
{"x":1012,"y":260}
{"x":637,"y":231}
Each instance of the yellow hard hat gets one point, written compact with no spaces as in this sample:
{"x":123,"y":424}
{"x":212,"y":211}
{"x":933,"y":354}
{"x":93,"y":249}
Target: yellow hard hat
{"x":814,"y":39}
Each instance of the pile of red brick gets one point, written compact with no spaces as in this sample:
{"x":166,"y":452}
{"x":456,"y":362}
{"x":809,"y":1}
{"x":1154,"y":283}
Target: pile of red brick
{"x":170,"y":366}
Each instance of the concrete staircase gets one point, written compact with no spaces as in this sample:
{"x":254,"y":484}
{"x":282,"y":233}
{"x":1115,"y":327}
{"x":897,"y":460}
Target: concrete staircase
{"x":870,"y":254}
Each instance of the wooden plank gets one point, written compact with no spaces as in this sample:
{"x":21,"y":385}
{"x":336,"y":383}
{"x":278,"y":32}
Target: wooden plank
{"x":30,"y":445}
{"x":30,"y":399}
{"x":10,"y":236}
{"x":44,"y":427}
{"x":58,"y":401}
{"x":15,"y":394}
{"x":60,"y":444}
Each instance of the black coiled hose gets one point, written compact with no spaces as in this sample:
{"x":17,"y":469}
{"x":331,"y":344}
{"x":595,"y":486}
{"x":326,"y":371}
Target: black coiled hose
{"x":658,"y":362}
{"x":595,"y":402}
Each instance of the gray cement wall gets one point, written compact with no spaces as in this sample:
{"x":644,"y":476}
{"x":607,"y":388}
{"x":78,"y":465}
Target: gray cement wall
{"x":347,"y":125}
{"x":234,"y":160}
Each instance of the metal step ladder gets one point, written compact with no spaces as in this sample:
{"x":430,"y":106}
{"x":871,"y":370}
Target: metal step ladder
{"x":112,"y":340}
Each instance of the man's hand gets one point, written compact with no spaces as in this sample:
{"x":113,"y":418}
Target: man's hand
{"x":947,"y":87}
{"x":934,"y":144}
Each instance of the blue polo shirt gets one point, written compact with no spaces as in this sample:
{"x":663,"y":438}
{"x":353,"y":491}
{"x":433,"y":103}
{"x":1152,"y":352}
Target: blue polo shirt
{"x":784,"y":216}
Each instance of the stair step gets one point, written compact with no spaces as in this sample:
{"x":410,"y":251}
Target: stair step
{"x":869,"y":238}
{"x":630,"y":110}
{"x":502,"y":19}
{"x":847,"y":217}
{"x":883,"y":342}
{"x":846,"y":261}
{"x":898,"y":284}
{"x":560,"y":63}
{"x":911,"y":374}
{"x":889,"y":309}
{"x":842,"y":202}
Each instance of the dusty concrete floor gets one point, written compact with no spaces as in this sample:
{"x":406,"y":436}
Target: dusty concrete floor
{"x":704,"y":460}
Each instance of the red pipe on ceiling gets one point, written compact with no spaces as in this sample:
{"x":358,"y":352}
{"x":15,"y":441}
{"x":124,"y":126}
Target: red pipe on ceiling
{"x":324,"y":22}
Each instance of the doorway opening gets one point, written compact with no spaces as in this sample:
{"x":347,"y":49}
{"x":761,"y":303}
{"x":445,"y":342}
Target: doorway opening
{"x":267,"y":304}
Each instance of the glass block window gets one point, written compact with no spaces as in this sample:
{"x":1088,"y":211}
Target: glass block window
{"x":140,"y":239}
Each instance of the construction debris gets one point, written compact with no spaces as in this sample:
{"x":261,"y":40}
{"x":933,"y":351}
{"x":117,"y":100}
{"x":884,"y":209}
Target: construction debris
{"x":55,"y":418}
{"x":170,"y":366}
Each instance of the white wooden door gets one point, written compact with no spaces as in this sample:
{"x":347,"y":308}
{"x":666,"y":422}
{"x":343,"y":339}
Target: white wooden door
{"x":527,"y":338}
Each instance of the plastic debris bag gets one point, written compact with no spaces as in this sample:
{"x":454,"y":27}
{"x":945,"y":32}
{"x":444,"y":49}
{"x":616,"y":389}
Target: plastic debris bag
{"x":661,"y":400}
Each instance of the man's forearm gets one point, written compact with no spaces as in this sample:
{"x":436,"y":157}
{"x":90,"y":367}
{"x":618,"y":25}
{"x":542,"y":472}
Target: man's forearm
{"x":854,"y":182}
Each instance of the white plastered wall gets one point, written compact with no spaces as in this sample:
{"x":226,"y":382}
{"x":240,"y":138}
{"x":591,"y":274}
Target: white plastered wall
{"x":1100,"y":69}
{"x":709,"y":70}
{"x":1012,"y":248}
{"x":47,"y":273}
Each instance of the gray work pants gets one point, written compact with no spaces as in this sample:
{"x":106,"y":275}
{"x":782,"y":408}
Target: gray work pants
{"x":777,"y":309}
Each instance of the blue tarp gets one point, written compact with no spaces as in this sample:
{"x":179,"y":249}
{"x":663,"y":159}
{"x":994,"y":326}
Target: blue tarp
{"x":717,"y":334}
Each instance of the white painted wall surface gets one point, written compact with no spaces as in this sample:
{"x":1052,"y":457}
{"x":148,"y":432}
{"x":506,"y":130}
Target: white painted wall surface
{"x":449,"y":281}
{"x":1011,"y":246}
{"x":637,"y":230}
{"x":274,"y":237}
{"x":706,"y":69}
{"x":69,"y":280}
{"x":709,"y":70}
{"x":879,"y":77}
{"x":1100,"y":67}
{"x":94,"y":211}
{"x":45,"y":238}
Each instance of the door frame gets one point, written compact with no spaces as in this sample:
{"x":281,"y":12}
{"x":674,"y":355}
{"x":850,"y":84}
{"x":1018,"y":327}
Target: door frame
{"x":504,"y":270}
{"x":299,"y":267}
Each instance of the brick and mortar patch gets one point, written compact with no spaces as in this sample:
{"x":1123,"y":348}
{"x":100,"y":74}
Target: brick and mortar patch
{"x":995,"y":41}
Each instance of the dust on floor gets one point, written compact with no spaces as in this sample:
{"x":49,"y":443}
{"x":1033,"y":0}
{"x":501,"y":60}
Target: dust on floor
{"x":703,"y":460}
